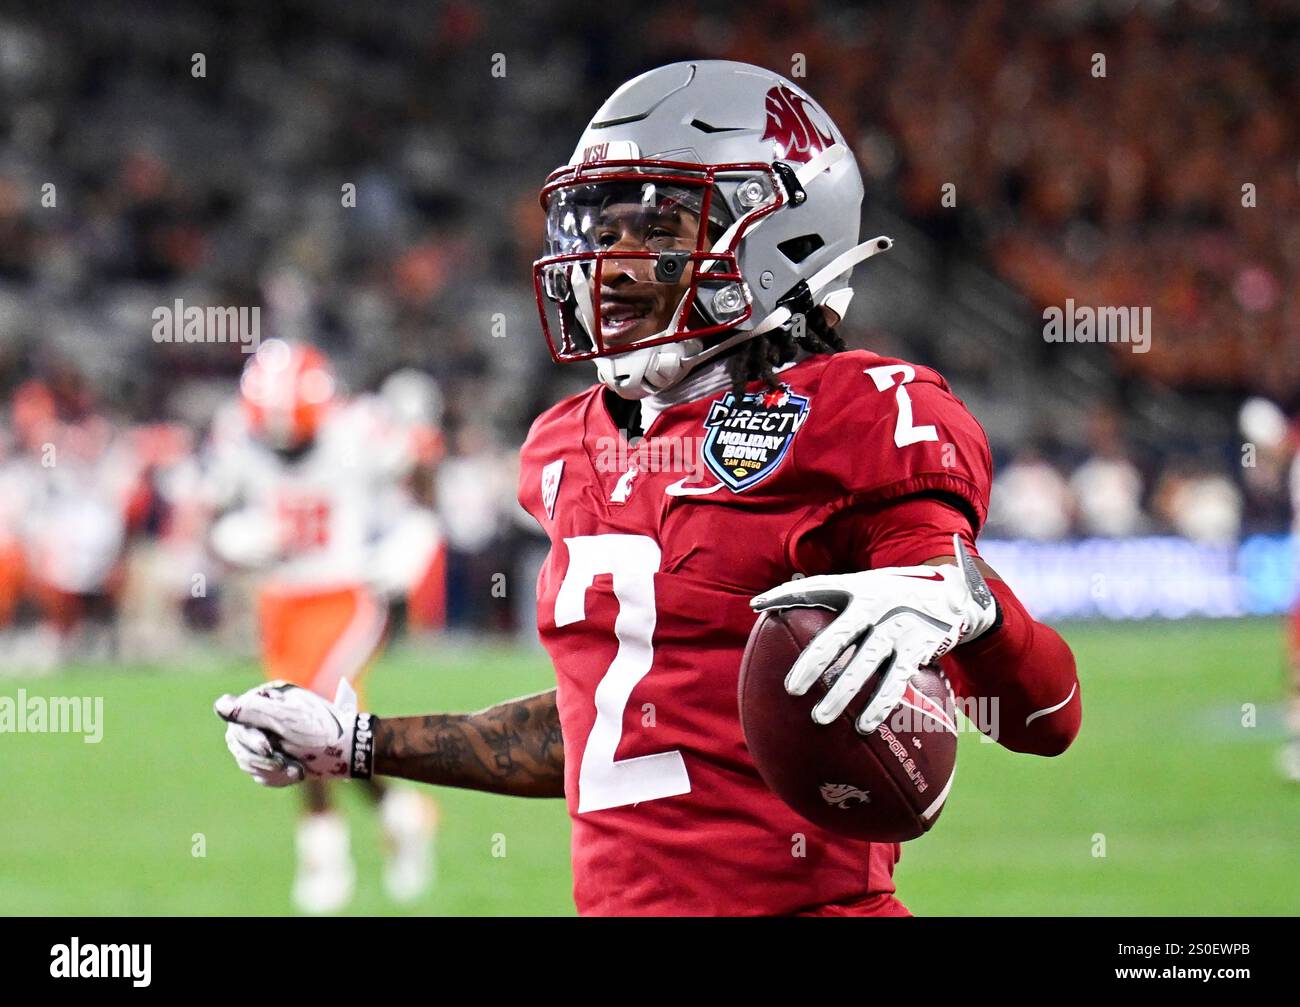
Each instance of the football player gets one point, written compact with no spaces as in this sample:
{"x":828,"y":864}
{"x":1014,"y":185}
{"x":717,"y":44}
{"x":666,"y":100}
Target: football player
{"x":70,"y":493}
{"x":309,"y":484}
{"x":698,"y":250}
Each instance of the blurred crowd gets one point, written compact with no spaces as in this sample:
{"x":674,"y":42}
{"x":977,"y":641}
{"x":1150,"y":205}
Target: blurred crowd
{"x":1107,"y":494}
{"x":367,"y":175}
{"x":1173,"y":181}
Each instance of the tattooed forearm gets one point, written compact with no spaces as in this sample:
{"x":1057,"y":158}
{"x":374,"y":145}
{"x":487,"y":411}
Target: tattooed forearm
{"x":513,"y":748}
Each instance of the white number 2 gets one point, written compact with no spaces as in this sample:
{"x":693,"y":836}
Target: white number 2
{"x":633,"y":561}
{"x":904,"y":432}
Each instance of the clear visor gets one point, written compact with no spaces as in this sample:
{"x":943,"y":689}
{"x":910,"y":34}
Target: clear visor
{"x":632,"y":262}
{"x":632,"y":216}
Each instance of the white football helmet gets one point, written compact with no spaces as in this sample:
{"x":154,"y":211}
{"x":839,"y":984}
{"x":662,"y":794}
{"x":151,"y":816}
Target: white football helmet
{"x":706,"y":203}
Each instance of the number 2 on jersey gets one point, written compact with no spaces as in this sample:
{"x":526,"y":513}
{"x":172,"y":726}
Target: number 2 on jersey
{"x":632,"y":560}
{"x":905,"y":432}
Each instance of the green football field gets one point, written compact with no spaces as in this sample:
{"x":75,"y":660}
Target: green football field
{"x":1168,"y":780}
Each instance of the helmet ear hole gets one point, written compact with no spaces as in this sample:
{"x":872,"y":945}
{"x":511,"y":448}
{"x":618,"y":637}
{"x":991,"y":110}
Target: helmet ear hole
{"x":798,"y":249}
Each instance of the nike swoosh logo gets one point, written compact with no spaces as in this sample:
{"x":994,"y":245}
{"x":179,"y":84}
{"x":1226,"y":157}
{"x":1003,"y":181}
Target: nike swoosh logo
{"x":917,"y":576}
{"x":1051,"y":709}
{"x":680,"y":489}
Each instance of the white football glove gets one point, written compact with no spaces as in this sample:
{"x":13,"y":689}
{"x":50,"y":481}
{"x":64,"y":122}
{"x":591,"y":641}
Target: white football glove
{"x":914,"y":613}
{"x":256,"y":755}
{"x":281,"y":733}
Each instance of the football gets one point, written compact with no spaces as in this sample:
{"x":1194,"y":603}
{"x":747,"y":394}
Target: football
{"x":888,"y":786}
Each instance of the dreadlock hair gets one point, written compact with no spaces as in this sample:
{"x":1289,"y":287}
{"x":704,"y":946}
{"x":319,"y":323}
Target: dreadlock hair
{"x":758,"y":358}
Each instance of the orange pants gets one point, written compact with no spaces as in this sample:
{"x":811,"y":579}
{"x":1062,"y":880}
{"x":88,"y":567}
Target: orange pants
{"x":316,"y":638}
{"x":13,"y":573}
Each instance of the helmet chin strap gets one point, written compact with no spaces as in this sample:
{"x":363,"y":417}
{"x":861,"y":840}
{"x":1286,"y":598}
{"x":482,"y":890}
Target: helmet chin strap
{"x":654,"y":368}
{"x":638,"y":374}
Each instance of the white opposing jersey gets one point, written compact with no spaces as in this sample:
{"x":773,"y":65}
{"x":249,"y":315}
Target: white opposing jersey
{"x":315,"y":519}
{"x":67,"y":504}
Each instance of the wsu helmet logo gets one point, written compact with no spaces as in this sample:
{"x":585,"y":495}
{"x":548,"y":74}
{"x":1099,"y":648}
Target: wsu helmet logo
{"x":790,"y":123}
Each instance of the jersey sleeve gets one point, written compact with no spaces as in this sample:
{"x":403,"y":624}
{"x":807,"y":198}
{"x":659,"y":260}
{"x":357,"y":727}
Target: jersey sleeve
{"x":881,"y":429}
{"x":903,"y":532}
{"x":554,"y":441}
{"x":528,"y":486}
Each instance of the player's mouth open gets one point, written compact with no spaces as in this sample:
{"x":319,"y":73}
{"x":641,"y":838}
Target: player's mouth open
{"x":620,"y":318}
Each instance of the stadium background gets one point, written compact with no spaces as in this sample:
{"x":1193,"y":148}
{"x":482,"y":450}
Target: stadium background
{"x":1122,"y":507}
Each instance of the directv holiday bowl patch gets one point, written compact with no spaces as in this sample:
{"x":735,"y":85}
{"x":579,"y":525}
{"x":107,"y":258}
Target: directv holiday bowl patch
{"x":746,"y":441}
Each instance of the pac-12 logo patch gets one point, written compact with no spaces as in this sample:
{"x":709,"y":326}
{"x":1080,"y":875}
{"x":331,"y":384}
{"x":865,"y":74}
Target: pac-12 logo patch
{"x":551,"y":473}
{"x":746,"y":440}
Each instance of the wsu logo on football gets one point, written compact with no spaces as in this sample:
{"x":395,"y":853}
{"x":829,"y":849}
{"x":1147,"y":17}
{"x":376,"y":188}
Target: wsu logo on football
{"x":790,"y":123}
{"x":844,"y":795}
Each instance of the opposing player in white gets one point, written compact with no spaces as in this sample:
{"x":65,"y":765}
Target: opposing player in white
{"x":311,"y":492}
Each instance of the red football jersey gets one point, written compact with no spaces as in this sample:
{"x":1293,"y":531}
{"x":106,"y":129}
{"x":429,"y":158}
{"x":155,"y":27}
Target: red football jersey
{"x":643,"y":605}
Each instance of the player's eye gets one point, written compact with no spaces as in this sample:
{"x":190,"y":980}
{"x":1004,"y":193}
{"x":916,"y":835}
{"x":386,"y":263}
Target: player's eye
{"x":661,"y":236}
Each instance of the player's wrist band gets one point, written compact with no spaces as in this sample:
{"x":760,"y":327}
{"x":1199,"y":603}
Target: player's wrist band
{"x":994,"y":626}
{"x":363,"y":746}
{"x":997,"y":619}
